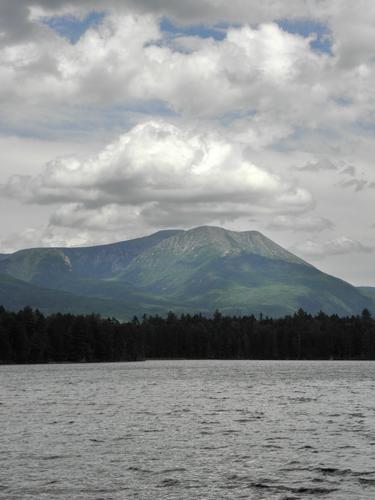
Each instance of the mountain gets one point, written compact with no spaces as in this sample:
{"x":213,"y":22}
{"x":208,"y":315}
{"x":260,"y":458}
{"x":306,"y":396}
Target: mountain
{"x":199,"y":270}
{"x":369,"y":292}
{"x":16,"y":294}
{"x":237,"y":272}
{"x":45,"y":266}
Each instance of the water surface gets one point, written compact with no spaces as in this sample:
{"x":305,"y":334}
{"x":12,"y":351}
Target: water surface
{"x":188,"y":430}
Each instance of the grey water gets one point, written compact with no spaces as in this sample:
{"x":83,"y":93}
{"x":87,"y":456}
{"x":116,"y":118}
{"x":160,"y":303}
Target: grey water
{"x":188,"y":430}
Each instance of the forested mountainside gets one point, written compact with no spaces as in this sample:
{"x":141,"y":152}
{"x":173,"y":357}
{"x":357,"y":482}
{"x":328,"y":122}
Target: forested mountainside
{"x":200,"y":270}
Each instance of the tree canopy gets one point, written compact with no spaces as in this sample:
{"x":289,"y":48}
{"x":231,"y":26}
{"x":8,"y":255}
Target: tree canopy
{"x":28,"y":336}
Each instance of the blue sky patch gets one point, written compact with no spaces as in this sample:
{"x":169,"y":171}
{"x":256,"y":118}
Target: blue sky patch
{"x":306,"y":27}
{"x":217,"y":32}
{"x":72,"y":27}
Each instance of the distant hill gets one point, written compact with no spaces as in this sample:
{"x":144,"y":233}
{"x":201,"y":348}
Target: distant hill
{"x":199,"y":270}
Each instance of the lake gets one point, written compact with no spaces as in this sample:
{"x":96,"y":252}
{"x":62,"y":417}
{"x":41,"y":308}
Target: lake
{"x":188,"y":430}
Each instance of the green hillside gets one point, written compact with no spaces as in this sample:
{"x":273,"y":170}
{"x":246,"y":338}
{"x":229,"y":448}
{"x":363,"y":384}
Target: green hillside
{"x":51,"y":266}
{"x":16,"y":294}
{"x":199,"y":270}
{"x":239,"y":272}
{"x":369,"y":292}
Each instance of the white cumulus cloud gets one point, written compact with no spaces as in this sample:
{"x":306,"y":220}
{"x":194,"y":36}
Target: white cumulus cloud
{"x":157,"y":169}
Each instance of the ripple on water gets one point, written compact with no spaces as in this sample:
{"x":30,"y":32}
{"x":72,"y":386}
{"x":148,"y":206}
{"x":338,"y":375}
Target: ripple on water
{"x":168,"y":482}
{"x":189,"y":429}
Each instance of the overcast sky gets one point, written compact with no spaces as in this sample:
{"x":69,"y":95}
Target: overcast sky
{"x":119,"y":118}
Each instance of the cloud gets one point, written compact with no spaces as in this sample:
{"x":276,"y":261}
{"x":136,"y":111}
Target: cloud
{"x":326,"y":164}
{"x":305,"y":223}
{"x":237,"y":11}
{"x":349,"y":170}
{"x":129,"y":62}
{"x":157,"y":172}
{"x":339,"y":246}
{"x":16,"y":16}
{"x":106,"y":219}
{"x":353,"y":45}
{"x":357,"y":184}
{"x":341,"y":169}
{"x":45,"y":236}
{"x":323,"y":164}
{"x":257,"y":64}
{"x":125,"y":59}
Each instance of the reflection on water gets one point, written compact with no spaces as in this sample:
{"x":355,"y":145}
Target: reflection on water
{"x":188,"y":430}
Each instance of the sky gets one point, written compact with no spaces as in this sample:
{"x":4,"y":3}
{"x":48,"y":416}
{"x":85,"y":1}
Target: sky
{"x":121,"y":118}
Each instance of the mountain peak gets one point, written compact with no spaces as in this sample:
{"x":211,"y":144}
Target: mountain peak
{"x":224,"y":242}
{"x":198,"y":270}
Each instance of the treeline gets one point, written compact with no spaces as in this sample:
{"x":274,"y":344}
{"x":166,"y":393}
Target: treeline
{"x":30,"y":337}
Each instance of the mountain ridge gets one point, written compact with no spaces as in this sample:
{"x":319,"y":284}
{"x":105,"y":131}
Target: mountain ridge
{"x":230,"y":242}
{"x":196,"y":270}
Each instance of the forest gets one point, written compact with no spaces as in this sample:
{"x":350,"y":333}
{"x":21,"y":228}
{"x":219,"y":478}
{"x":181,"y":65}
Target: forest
{"x":28,"y":336}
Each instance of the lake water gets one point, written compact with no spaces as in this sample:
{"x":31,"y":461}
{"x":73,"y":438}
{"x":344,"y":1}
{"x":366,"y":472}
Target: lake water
{"x":188,"y":430}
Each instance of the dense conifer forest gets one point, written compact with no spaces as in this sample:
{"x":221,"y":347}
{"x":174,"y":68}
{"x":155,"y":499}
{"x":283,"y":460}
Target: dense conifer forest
{"x":28,"y":336}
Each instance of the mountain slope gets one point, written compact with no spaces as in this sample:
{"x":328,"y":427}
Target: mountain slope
{"x":175,"y":259}
{"x":199,"y":270}
{"x":16,"y":294}
{"x":55,"y":266}
{"x":210,"y":268}
{"x":369,"y":292}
